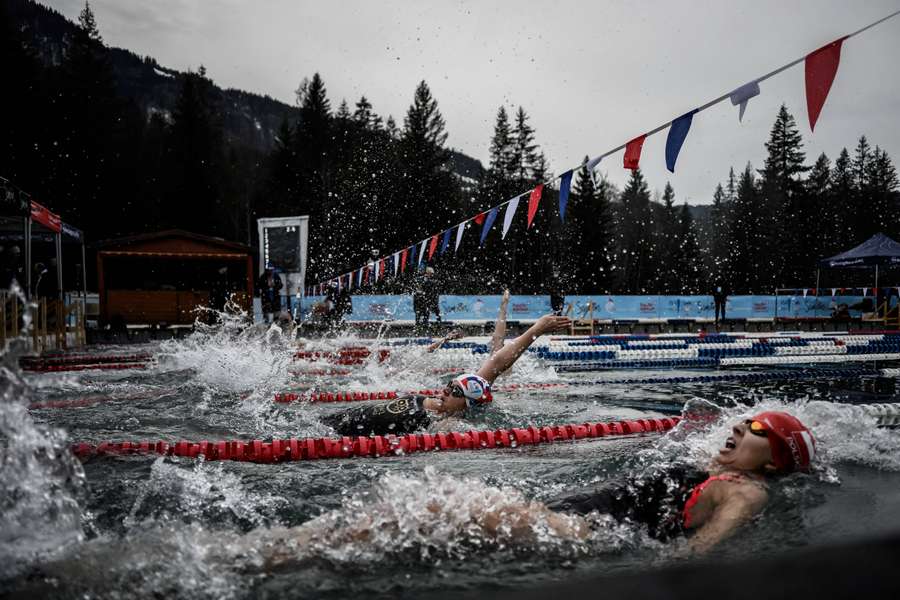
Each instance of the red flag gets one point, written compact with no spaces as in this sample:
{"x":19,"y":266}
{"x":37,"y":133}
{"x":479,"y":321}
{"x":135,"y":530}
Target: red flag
{"x":480,"y":218}
{"x":821,"y":67}
{"x":403,"y":261}
{"x":432,"y":246}
{"x":381,"y":268}
{"x":633,"y":152}
{"x":533,"y":201}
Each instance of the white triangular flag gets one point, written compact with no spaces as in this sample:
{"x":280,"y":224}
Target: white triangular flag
{"x":459,"y":232}
{"x":510,"y":213}
{"x":804,"y":292}
{"x":422,"y":250}
{"x":592,"y":164}
{"x":742,"y":95}
{"x":865,"y":291}
{"x":396,"y":263}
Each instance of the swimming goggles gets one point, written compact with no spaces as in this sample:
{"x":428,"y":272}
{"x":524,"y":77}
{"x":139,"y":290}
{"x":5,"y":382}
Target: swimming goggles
{"x":454,"y":390}
{"x":757,"y":428}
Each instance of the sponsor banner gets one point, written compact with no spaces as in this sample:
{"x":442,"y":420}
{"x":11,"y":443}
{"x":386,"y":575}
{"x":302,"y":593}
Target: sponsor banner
{"x":607,"y":307}
{"x":42,"y":215}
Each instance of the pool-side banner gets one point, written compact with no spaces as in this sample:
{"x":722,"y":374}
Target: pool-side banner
{"x":527,"y":308}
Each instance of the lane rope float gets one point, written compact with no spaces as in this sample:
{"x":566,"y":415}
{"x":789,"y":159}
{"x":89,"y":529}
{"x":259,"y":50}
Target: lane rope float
{"x":287,"y":450}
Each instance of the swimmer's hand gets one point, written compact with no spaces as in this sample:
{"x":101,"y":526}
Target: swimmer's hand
{"x":550,"y":323}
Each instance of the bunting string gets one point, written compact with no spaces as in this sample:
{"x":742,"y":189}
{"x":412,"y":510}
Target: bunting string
{"x":821,"y":67}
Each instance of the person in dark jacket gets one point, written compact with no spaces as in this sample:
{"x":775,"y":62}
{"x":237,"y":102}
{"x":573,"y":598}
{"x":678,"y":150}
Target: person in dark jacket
{"x":720,"y":297}
{"x":269,"y":286}
{"x":425,"y":300}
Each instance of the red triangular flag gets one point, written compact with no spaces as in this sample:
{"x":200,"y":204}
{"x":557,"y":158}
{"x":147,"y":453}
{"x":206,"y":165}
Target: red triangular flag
{"x":480,"y":218}
{"x":403,"y":261}
{"x":821,"y":67}
{"x":633,"y":152}
{"x":533,"y":201}
{"x":432,"y":246}
{"x":381,"y":268}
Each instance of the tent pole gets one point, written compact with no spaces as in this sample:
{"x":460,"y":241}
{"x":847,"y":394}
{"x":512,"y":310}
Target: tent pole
{"x":28,"y":257}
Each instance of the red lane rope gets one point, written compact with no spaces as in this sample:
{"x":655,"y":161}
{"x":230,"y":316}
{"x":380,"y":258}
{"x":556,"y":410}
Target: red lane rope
{"x":85,"y":359}
{"x":87,"y":367}
{"x":293,"y":449}
{"x":344,"y":356}
{"x":356,"y":396}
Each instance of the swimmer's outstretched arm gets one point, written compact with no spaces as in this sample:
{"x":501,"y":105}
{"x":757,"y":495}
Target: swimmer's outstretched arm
{"x":453,"y":335}
{"x":500,"y":325}
{"x":507,"y":356}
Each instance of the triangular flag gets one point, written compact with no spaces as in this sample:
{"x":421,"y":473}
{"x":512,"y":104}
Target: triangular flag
{"x":633,"y":152}
{"x":508,"y":215}
{"x":459,"y":232}
{"x":422,"y":252}
{"x":742,"y":95}
{"x":480,"y":218}
{"x":396,"y":263}
{"x":533,"y":201}
{"x":413,"y":251}
{"x":592,"y":164}
{"x":445,"y":241}
{"x":491,"y":216}
{"x":804,"y":292}
{"x":833,"y":292}
{"x":376,"y":268}
{"x":865,"y":290}
{"x":403,"y":254}
{"x":821,"y":67}
{"x":565,"y":183}
{"x":432,"y":246}
{"x":340,"y":282}
{"x":677,"y":132}
{"x":360,"y":280}
{"x":381,"y":268}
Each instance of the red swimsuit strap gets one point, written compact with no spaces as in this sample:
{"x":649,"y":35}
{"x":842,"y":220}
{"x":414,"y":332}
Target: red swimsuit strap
{"x":698,"y":489}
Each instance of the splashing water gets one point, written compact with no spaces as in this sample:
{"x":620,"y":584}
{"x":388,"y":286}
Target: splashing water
{"x":40,"y":481}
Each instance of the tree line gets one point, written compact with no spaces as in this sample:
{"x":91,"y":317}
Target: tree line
{"x":372,"y":186}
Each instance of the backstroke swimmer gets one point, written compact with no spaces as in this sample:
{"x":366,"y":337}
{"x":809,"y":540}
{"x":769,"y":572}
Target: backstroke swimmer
{"x":708,"y":507}
{"x":463,"y":394}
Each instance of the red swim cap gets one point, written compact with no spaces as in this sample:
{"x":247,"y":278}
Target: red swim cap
{"x":792,"y":444}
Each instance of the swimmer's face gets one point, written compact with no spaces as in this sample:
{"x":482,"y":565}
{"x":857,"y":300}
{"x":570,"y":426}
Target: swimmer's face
{"x":746,"y":450}
{"x":451,"y":401}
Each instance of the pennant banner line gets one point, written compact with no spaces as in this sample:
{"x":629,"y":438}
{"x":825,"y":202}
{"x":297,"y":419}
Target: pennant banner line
{"x":737,"y":92}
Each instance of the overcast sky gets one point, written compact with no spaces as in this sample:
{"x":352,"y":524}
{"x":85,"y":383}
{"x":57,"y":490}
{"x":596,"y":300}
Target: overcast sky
{"x":591,"y":74}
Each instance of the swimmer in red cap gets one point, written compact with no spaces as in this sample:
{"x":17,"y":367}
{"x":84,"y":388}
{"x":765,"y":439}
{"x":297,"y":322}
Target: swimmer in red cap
{"x":465,"y":393}
{"x":708,"y":506}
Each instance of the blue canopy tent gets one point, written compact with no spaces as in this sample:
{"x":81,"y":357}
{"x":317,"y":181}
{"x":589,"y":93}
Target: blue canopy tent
{"x":878,"y":251}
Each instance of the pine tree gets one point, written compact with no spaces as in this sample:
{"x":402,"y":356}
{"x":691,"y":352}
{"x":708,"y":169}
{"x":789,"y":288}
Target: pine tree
{"x":635,"y":260}
{"x":844,"y":194}
{"x":782,"y":195}
{"x":588,"y":229}
{"x":524,"y":150}
{"x":666,"y":243}
{"x":687,"y":259}
{"x":822,"y":211}
{"x":197,"y":158}
{"x":748,"y":238}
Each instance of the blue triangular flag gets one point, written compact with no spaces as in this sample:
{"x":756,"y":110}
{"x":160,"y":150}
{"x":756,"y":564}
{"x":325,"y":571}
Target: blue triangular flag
{"x":446,"y":241}
{"x":677,"y":132}
{"x":412,"y":254}
{"x":565,"y":182}
{"x":487,"y":224}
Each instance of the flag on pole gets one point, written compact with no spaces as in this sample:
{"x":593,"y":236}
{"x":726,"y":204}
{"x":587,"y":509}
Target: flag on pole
{"x":565,"y":182}
{"x":821,"y":68}
{"x":742,"y":95}
{"x":633,"y":152}
{"x":459,"y":232}
{"x":491,"y":216}
{"x":533,"y":201}
{"x":677,"y":132}
{"x":508,"y":215}
{"x":445,"y":241}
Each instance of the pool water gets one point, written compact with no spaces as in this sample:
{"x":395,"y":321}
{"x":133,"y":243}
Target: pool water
{"x":145,"y":525}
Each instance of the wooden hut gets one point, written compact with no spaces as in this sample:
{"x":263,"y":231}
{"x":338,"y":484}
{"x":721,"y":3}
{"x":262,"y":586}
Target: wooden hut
{"x":162,"y":278}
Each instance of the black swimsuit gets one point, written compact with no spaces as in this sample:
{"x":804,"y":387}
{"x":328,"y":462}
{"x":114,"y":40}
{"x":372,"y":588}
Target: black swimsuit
{"x":401,"y":416}
{"x":655,"y":499}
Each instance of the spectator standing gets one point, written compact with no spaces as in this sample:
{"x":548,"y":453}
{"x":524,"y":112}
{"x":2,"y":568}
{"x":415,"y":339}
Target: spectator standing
{"x":269,"y":286}
{"x":426,"y":300}
{"x":720,"y":297}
